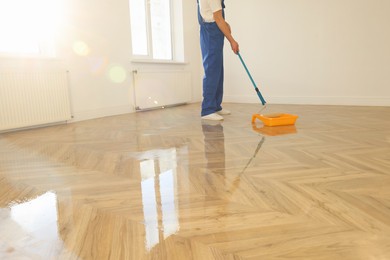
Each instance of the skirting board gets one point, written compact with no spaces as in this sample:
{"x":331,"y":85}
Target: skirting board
{"x":100,"y":112}
{"x":342,"y":101}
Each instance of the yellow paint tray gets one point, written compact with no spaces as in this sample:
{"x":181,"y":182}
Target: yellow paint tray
{"x":275,"y":119}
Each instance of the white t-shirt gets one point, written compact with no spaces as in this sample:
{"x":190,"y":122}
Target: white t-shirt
{"x":208,"y":7}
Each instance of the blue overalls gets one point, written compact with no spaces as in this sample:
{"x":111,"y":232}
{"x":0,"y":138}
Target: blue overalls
{"x":211,"y":44}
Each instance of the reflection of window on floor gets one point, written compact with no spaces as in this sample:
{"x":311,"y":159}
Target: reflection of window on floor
{"x":31,"y":228}
{"x":158,"y":197}
{"x":38,"y":213}
{"x":36,"y":223}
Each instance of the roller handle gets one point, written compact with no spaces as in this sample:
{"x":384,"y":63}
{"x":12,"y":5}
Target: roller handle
{"x":253,"y":82}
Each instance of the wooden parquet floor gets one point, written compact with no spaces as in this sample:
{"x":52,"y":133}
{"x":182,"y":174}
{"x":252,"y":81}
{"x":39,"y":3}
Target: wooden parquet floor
{"x":164,"y":184}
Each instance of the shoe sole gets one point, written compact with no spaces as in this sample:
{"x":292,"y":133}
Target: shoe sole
{"x":211,"y":118}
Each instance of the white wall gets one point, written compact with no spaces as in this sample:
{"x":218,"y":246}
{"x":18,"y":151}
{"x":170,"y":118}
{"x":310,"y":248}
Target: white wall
{"x":310,"y":52}
{"x":103,"y":26}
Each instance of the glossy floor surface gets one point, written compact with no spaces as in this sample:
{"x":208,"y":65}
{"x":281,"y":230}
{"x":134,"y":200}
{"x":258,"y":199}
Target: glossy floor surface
{"x":164,"y":184}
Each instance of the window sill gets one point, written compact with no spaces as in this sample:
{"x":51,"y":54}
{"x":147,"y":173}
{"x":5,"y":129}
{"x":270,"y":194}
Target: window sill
{"x":170,"y":62}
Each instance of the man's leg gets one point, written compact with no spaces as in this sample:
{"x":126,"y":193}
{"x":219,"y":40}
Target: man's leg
{"x":212,"y":50}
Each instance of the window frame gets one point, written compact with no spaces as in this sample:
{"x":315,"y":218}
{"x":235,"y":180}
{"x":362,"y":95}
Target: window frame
{"x":176,"y":36}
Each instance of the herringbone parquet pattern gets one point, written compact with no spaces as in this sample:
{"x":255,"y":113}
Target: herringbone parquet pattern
{"x":165,"y":185}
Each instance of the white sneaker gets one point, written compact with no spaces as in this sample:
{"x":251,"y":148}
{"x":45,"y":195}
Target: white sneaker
{"x":224,"y":112}
{"x":213,"y":116}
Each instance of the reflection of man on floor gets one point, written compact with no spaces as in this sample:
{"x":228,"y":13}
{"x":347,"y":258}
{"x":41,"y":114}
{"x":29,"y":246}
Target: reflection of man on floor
{"x":214,"y":151}
{"x":214,"y":146}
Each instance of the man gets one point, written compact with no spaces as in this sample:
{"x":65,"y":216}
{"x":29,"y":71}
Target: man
{"x":213,"y":30}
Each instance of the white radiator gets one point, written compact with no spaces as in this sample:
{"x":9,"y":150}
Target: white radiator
{"x":33,"y":98}
{"x":160,"y":89}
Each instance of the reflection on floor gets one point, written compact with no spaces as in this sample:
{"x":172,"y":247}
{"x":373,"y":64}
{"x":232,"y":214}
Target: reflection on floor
{"x":165,"y":184}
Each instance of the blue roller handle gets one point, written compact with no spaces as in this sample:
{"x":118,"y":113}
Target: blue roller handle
{"x":253,"y":82}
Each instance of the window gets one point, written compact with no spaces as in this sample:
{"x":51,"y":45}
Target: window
{"x":156,"y":29}
{"x":28,"y":27}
